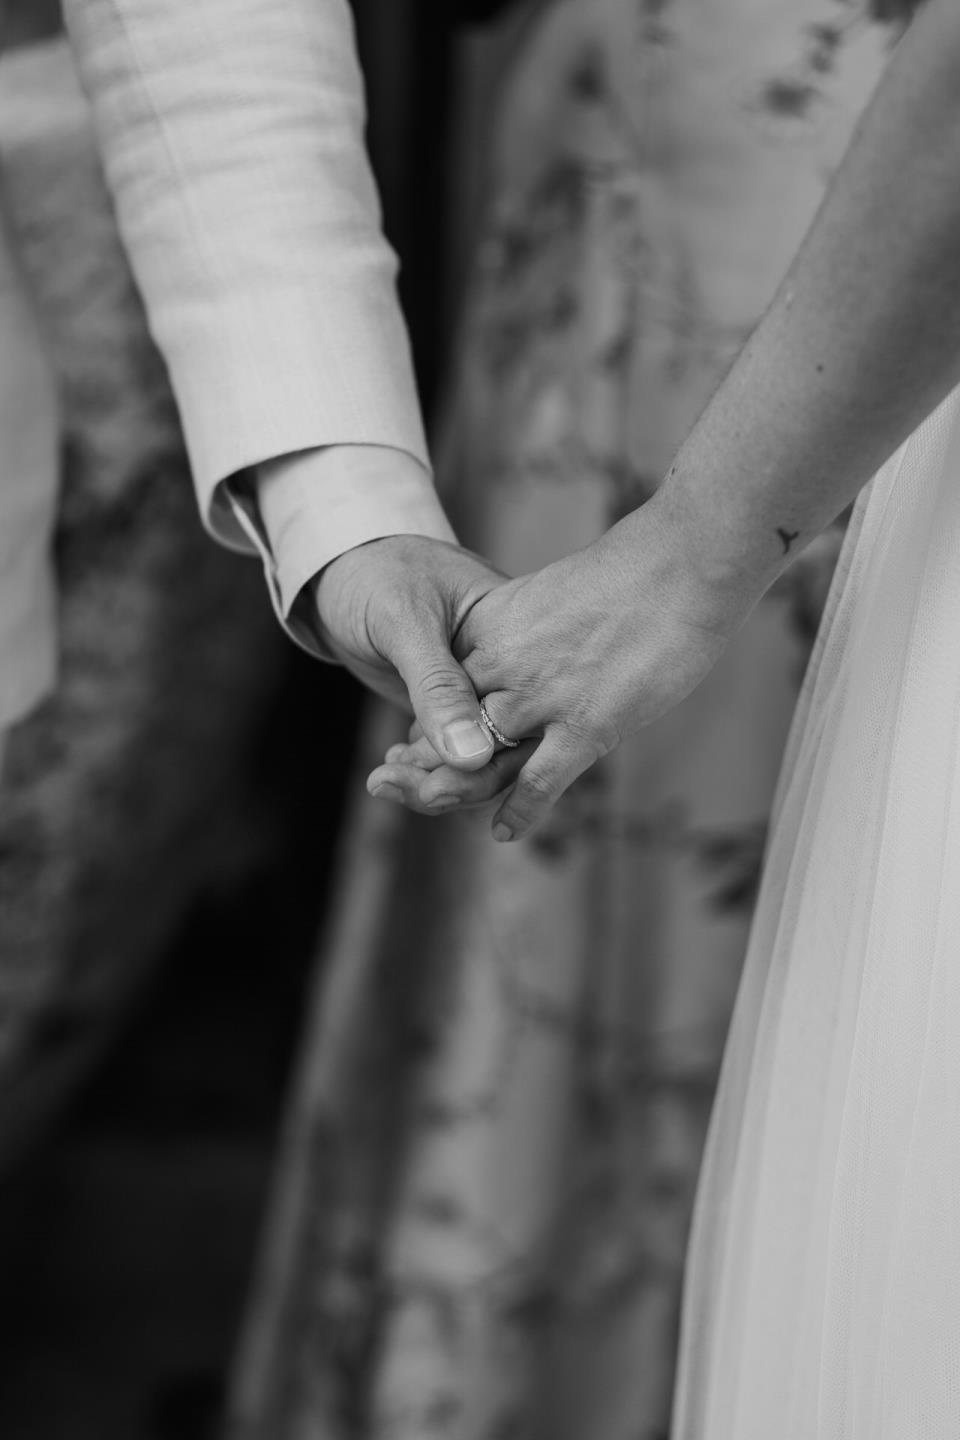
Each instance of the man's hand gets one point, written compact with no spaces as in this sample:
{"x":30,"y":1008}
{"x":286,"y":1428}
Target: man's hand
{"x":390,"y":611}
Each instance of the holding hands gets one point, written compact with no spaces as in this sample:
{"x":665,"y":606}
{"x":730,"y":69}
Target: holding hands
{"x":387,"y":611}
{"x":569,"y":661}
{"x":573,"y":658}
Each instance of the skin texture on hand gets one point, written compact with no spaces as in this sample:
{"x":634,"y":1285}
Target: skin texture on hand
{"x":575,"y":657}
{"x":389,"y":611}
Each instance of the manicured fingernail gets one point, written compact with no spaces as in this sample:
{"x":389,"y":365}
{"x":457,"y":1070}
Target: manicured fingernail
{"x":439,"y":803}
{"x":466,"y":739}
{"x":502,"y":832}
{"x":388,"y":792}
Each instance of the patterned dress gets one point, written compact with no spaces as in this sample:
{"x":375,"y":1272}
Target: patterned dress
{"x":495,"y":1155}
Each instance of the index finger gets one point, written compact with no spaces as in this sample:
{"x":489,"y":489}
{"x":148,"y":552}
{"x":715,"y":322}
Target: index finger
{"x":437,"y":791}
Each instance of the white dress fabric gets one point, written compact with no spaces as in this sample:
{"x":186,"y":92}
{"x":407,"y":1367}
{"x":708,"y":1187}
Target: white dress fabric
{"x":823,"y":1287}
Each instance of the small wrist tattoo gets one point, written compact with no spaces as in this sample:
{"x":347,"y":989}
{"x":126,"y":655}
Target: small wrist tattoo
{"x":787,"y":538}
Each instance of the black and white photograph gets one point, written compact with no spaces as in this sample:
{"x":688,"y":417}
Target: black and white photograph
{"x":480,"y":719}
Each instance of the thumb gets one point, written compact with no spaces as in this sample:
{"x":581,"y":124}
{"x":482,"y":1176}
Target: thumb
{"x":445,"y":703}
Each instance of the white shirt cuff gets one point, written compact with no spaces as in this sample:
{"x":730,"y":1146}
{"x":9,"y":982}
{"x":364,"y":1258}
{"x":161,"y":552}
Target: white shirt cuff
{"x":312,"y":506}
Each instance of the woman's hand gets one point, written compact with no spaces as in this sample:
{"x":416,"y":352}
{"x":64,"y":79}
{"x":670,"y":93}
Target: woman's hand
{"x":570,"y":660}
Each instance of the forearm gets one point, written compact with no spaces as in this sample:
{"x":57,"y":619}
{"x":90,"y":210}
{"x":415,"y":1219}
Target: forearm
{"x":232,"y":138}
{"x":860,"y":344}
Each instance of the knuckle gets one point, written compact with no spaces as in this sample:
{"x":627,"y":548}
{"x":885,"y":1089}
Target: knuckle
{"x":472,"y":643}
{"x":533,"y":788}
{"x":590,"y":738}
{"x":485,"y":666}
{"x":441,"y":683}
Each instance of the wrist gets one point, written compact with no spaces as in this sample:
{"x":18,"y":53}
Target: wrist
{"x":384,"y":551}
{"x":319,"y":505}
{"x":687,"y":563}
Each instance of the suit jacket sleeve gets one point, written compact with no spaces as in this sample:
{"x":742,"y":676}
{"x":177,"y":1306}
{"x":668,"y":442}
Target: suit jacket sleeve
{"x":232,"y":140}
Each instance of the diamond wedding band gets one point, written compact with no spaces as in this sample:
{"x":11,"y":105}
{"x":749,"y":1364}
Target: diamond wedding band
{"x":498,"y":735}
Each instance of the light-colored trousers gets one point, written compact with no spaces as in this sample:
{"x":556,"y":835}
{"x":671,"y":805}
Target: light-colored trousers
{"x":29,"y":443}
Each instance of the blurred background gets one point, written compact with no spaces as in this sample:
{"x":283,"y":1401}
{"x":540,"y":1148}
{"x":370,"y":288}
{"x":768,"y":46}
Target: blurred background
{"x":318,"y":1122}
{"x":171,"y":819}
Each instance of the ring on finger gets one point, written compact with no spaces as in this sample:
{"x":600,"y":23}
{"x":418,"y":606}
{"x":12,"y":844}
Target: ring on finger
{"x":494,"y":730}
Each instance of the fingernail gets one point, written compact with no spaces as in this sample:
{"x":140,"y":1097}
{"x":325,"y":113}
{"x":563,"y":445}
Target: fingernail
{"x":388,"y":792}
{"x":439,"y":803}
{"x":396,"y":752}
{"x":502,"y":832}
{"x":466,"y":739}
